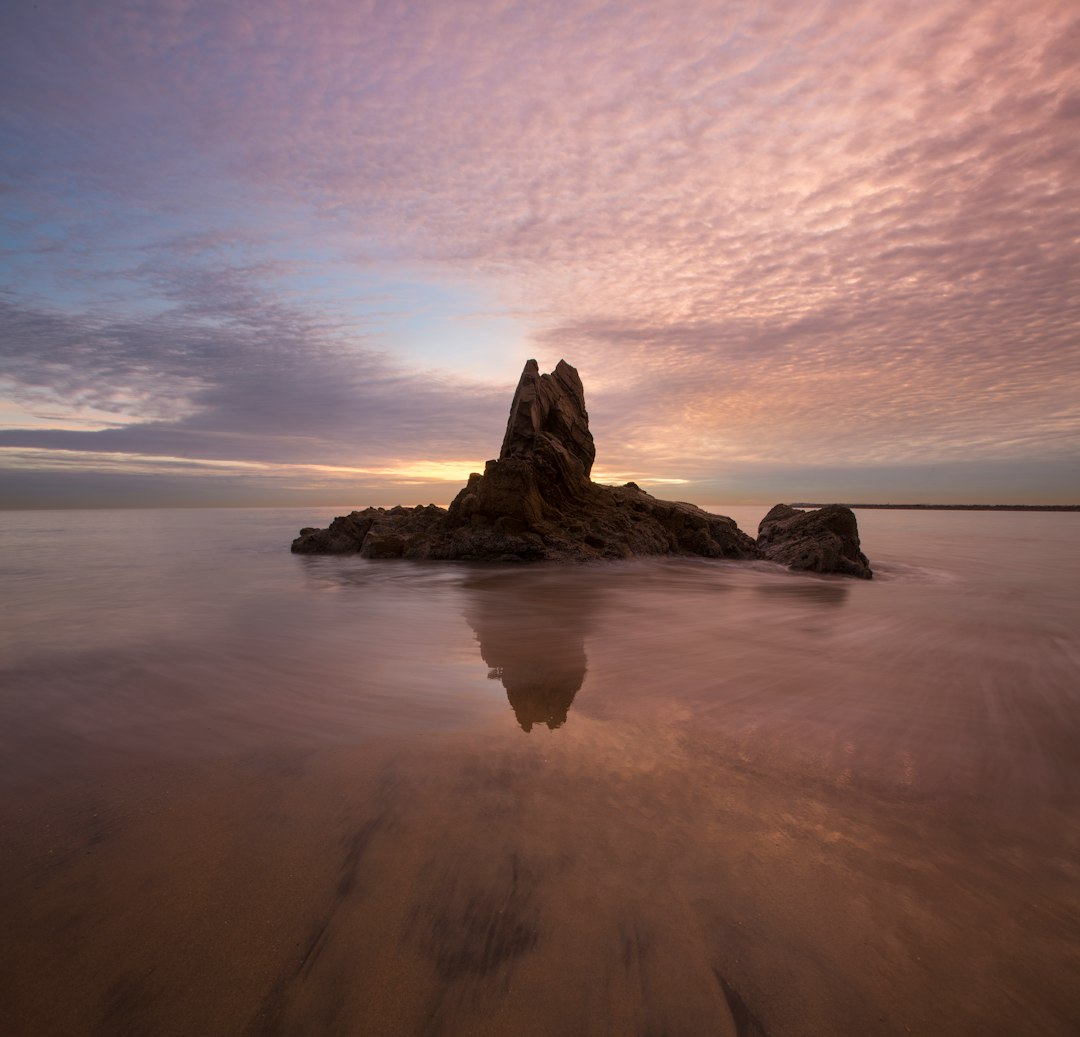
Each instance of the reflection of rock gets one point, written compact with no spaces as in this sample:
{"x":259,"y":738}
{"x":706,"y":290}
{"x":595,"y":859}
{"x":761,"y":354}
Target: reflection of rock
{"x":824,"y":541}
{"x":540,"y":687}
{"x":532,"y":636}
{"x":536,"y":501}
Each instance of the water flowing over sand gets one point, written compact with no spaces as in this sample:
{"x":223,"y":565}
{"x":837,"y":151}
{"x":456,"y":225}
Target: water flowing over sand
{"x":250,"y":792}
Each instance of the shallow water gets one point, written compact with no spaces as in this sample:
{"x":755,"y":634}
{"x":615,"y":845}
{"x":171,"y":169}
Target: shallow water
{"x":246,"y":791}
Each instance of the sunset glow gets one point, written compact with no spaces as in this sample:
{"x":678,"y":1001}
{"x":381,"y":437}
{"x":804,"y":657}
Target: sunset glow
{"x":820,"y":251}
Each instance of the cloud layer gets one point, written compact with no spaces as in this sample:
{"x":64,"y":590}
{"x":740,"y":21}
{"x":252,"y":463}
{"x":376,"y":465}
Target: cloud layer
{"x":768,"y":234}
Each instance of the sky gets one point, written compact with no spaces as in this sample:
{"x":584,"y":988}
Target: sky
{"x":287,"y":252}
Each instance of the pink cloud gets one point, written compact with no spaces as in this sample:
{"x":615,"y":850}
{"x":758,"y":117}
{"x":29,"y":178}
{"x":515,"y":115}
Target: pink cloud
{"x":831,"y":231}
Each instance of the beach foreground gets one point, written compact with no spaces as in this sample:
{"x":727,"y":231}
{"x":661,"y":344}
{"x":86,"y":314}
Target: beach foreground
{"x":672,"y":797}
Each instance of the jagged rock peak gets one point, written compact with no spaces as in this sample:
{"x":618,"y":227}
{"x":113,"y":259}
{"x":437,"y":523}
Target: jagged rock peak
{"x":552,"y":407}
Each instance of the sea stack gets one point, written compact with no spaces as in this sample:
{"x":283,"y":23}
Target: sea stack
{"x":536,"y":502}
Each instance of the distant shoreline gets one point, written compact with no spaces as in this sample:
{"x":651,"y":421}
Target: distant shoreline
{"x":952,"y":507}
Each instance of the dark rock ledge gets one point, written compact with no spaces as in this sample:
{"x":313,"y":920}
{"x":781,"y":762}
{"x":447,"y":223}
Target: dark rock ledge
{"x":537,"y":502}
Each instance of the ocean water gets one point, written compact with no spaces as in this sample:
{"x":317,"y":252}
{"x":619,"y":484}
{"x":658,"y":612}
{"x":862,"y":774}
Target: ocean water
{"x":243,"y":791}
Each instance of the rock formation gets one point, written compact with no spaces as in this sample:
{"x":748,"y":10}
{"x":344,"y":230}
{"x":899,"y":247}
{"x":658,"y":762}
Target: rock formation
{"x":536,"y":502}
{"x":823,"y":541}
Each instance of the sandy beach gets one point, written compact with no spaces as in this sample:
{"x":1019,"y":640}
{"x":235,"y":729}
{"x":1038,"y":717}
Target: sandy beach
{"x":574,"y":882}
{"x":679,"y":797}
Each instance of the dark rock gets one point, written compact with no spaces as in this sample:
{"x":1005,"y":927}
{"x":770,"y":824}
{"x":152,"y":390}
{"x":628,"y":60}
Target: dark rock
{"x":824,"y":541}
{"x":375,"y":533}
{"x":537,"y":502}
{"x":344,"y":536}
{"x":548,"y":419}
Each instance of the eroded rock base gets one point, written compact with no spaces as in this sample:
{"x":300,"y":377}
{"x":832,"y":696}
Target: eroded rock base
{"x":607,"y":522}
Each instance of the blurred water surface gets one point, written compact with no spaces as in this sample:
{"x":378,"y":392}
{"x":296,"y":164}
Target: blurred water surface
{"x":332,"y":795}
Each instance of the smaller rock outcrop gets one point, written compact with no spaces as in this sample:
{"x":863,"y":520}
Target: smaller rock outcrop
{"x":822,"y":541}
{"x":397,"y":532}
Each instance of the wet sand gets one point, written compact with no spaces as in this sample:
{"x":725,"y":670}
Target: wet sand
{"x":649,"y":881}
{"x":674,"y":798}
